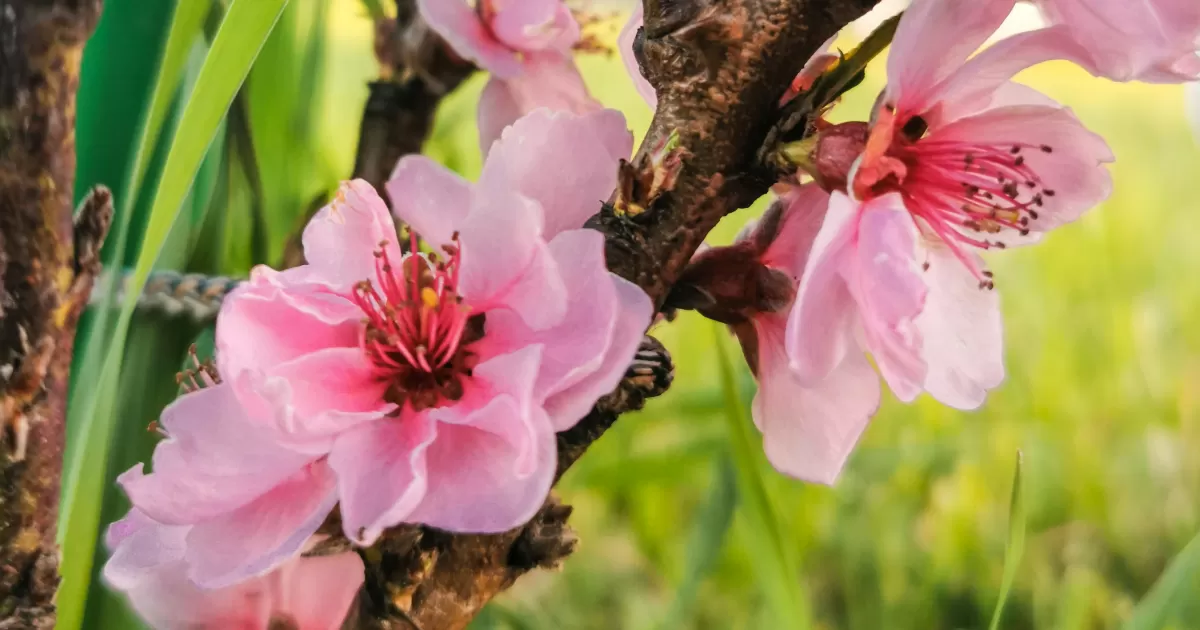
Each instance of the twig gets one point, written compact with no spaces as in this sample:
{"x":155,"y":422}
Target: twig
{"x":47,"y":265}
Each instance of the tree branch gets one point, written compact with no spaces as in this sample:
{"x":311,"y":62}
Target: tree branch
{"x":47,"y":265}
{"x":719,"y":67}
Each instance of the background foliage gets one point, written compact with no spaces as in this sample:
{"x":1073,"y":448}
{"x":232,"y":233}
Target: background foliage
{"x":683,"y":523}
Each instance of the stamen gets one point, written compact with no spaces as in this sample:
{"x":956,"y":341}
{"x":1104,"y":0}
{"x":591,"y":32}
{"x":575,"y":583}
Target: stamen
{"x":417,"y":332}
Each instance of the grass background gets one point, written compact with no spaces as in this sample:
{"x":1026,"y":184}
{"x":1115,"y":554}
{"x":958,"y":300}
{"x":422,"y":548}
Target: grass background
{"x":1102,"y":397}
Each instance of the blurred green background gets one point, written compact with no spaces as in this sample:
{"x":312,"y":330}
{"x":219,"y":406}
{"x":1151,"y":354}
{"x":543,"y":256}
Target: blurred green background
{"x":683,"y":524}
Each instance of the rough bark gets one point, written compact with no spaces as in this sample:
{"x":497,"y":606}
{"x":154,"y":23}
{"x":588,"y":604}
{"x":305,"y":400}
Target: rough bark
{"x":47,"y":264}
{"x":719,"y":68}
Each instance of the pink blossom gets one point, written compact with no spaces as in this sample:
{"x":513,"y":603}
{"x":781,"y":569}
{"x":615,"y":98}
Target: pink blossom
{"x":1152,"y":40}
{"x":809,"y":427}
{"x":421,"y":387}
{"x":526,"y":45}
{"x":148,"y":565}
{"x":959,"y":160}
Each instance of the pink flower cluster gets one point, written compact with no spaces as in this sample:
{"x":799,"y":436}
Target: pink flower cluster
{"x":417,"y":384}
{"x":957,"y":160}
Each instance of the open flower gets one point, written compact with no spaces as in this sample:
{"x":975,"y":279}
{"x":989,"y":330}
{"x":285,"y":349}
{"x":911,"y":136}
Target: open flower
{"x":409,"y":386}
{"x":959,"y":160}
{"x":526,"y":46}
{"x":148,"y":566}
{"x":1153,"y":40}
{"x":809,"y":428}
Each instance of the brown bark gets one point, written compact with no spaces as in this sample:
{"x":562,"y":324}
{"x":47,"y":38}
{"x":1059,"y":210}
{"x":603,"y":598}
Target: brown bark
{"x":47,"y":264}
{"x":719,"y":68}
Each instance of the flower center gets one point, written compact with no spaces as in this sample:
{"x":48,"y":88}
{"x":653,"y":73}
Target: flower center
{"x":418,"y":332}
{"x":968,"y":194}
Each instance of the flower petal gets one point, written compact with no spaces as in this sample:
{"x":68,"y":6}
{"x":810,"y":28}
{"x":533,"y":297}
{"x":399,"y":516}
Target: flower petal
{"x":506,"y":263}
{"x":533,"y":25}
{"x":569,"y":405}
{"x":317,"y":592}
{"x":550,"y":81}
{"x":962,"y":332}
{"x":263,"y":324}
{"x":429,"y":197}
{"x":491,"y":473}
{"x":882,"y":274}
{"x":625,"y":45}
{"x":933,"y":39}
{"x":818,"y":331}
{"x":1130,"y":40}
{"x":340,"y":239}
{"x":810,"y":429}
{"x":459,"y":24}
{"x":381,"y":473}
{"x":263,"y":534}
{"x":214,"y":461}
{"x":574,"y":189}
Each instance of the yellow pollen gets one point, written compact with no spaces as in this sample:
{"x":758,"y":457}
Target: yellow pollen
{"x":429,"y":297}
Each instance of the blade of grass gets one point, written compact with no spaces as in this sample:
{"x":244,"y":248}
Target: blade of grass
{"x":96,"y":340}
{"x":1015,"y":546}
{"x":242,"y":33}
{"x":705,"y":542}
{"x":1175,"y":587}
{"x":778,"y":574}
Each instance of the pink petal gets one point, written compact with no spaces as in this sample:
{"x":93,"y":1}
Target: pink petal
{"x":459,"y":24}
{"x":800,"y":222}
{"x":963,"y":335}
{"x":1074,"y":169}
{"x":340,"y":239}
{"x":214,"y":461}
{"x":573,"y":190}
{"x":381,"y":473}
{"x":263,"y":534}
{"x":550,"y":80}
{"x":317,"y":592}
{"x":263,"y":324}
{"x":494,"y":459}
{"x":570,"y":404}
{"x":933,"y":39}
{"x":575,"y":347}
{"x":322,"y":393}
{"x":1130,"y":40}
{"x":975,"y":86}
{"x":625,"y":45}
{"x":505,"y":261}
{"x":138,"y":547}
{"x":884,"y":277}
{"x":819,"y":326}
{"x":535,"y":25}
{"x":810,"y":429}
{"x":429,"y":197}
{"x":492,"y":474}
{"x":147,"y":566}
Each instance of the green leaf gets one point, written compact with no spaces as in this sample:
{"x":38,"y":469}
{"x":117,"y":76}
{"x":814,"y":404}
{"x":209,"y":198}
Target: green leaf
{"x":1177,"y":586}
{"x":1015,"y":546}
{"x":94,"y":340}
{"x":243,"y":31}
{"x":704,"y":543}
{"x":778,"y":570}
